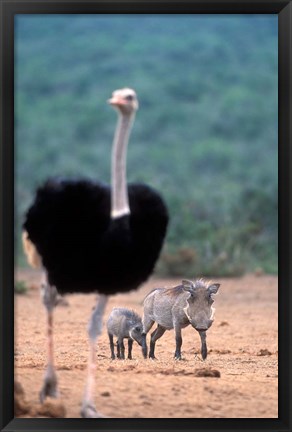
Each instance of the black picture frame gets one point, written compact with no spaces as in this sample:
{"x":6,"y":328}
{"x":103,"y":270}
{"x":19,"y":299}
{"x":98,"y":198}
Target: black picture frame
{"x":8,"y":9}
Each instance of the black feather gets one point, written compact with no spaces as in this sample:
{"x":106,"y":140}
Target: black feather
{"x":82,"y":248}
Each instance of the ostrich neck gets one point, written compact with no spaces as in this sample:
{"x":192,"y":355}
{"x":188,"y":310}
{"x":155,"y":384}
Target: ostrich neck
{"x":119,"y":192}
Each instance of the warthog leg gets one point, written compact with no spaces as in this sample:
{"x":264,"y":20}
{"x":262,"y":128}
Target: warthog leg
{"x":178,"y":343}
{"x":204,"y":352}
{"x":144,"y":345}
{"x":121,"y":349}
{"x":130,"y":346}
{"x":158,"y":332}
{"x":118,"y":351}
{"x":112,"y":346}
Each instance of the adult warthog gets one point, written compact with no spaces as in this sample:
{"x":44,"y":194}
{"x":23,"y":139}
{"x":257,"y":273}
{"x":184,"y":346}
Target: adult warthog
{"x":188,"y":303}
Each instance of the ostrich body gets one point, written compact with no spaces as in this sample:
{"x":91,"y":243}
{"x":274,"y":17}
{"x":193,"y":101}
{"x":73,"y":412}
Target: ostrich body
{"x":89,"y":237}
{"x":83,"y":249}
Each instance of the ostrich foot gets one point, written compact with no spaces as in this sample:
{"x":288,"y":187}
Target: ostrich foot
{"x":88,"y":410}
{"x":50,"y":385}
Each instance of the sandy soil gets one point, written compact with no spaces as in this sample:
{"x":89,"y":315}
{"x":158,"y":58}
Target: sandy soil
{"x":242,"y":346}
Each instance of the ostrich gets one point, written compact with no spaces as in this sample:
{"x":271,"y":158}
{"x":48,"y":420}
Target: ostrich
{"x":90,"y":237}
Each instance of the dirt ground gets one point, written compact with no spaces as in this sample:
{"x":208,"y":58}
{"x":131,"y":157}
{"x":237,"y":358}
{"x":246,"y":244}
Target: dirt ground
{"x":242,"y":346}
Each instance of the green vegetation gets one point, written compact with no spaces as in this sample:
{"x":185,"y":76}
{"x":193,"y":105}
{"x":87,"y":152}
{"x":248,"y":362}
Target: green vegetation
{"x":20,"y":287}
{"x":205,"y":134}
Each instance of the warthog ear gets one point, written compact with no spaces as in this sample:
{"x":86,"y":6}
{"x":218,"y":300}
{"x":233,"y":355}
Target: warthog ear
{"x":213,"y":288}
{"x":187,"y":285}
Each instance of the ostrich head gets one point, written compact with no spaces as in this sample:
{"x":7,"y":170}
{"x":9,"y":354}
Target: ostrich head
{"x":124,"y":100}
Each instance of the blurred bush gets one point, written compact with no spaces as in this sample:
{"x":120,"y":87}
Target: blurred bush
{"x":20,"y":287}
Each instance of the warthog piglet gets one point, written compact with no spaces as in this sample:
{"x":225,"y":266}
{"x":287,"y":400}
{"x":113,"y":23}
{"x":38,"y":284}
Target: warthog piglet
{"x":125,"y":324}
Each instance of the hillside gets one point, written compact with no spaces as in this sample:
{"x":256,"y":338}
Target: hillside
{"x":205,"y":134}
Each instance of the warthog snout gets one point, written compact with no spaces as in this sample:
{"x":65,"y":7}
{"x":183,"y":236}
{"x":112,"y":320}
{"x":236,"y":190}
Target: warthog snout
{"x":202,"y":326}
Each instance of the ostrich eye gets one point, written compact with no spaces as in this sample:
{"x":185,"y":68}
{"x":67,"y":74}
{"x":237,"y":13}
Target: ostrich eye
{"x":129,"y":97}
{"x":138,"y":329}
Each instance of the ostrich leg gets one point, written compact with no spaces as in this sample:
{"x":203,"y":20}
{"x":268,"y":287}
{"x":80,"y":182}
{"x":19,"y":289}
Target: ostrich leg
{"x":50,"y":388}
{"x":88,"y":409}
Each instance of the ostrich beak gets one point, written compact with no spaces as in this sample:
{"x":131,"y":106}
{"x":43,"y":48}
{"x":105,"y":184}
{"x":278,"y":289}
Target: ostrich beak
{"x":116,"y":101}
